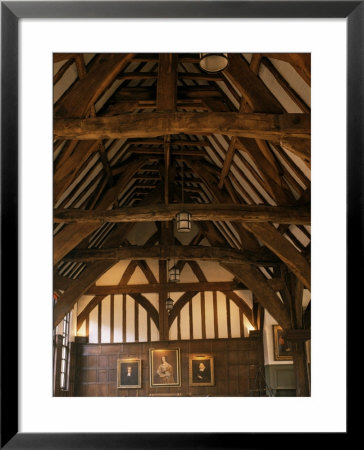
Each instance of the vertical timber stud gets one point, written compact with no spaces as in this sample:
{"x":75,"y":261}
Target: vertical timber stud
{"x":163,"y":315}
{"x":124,"y":317}
{"x":216,"y":323}
{"x":112,"y":320}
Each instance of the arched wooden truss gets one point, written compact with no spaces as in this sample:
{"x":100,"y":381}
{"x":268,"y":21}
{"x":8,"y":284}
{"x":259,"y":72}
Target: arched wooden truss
{"x":135,"y":134}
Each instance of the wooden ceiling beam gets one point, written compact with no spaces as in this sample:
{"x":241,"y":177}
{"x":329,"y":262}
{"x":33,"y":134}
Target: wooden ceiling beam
{"x":161,"y":151}
{"x":181,"y":75}
{"x":183,"y":252}
{"x":253,"y":125}
{"x":147,"y":94}
{"x":299,"y":214}
{"x":179,"y":143}
{"x":165,"y":287}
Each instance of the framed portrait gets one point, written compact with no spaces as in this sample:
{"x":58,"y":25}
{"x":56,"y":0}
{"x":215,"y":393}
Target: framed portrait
{"x":165,"y":369}
{"x":129,"y":373}
{"x":20,"y":427}
{"x":201,"y":370}
{"x":282,"y":349}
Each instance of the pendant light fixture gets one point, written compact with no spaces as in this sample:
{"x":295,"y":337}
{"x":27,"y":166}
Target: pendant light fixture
{"x":213,"y":62}
{"x":174,"y":274}
{"x":183,"y":218}
{"x":169,"y":304}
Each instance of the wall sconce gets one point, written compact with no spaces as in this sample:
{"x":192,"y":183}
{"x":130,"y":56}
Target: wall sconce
{"x":213,"y":62}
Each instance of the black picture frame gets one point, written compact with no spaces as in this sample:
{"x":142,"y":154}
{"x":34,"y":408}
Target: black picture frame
{"x":11,"y":13}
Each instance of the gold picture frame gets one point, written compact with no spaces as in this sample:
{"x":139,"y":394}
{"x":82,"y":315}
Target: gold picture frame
{"x":201,"y":370}
{"x":282,"y":350}
{"x":165,"y":367}
{"x":129,"y":373}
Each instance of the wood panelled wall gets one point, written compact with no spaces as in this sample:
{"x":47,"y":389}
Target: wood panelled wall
{"x":236,"y":364}
{"x":119,"y":318}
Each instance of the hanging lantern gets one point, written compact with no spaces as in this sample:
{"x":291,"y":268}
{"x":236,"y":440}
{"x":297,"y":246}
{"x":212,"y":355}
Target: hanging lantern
{"x":184,"y":223}
{"x":174,"y":274}
{"x":169,"y":304}
{"x":213,"y":62}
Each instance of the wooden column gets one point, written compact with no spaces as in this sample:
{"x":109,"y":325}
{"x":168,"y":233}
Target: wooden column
{"x":258,"y":387}
{"x":57,"y":356}
{"x":297,"y":339}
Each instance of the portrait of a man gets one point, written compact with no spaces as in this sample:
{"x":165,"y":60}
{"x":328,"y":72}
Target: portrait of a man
{"x":201,"y":371}
{"x":129,"y":374}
